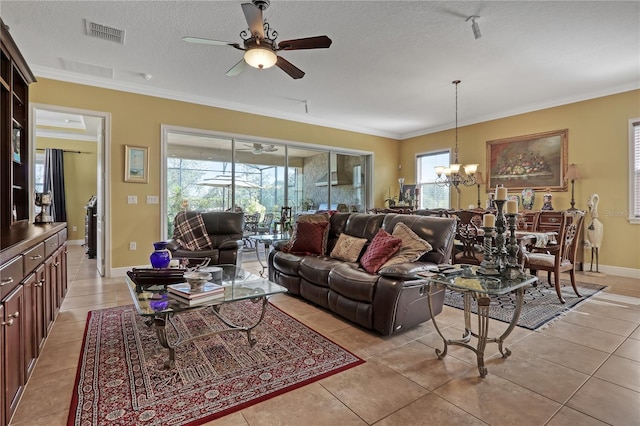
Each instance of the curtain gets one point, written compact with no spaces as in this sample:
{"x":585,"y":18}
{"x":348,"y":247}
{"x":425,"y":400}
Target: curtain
{"x":54,"y":182}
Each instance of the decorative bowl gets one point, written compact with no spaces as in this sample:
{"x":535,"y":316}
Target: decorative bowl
{"x":197,"y":279}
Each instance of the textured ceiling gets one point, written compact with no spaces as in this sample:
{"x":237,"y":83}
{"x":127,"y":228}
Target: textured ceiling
{"x":388,"y":71}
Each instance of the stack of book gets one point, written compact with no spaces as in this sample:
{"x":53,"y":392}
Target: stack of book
{"x":184,"y":294}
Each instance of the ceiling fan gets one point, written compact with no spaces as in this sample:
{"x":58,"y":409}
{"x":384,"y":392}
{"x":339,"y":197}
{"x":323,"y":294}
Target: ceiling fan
{"x":259,"y":43}
{"x":258,"y":148}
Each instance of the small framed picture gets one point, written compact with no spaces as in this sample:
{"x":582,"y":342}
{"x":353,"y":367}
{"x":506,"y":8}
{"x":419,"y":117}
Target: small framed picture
{"x":136,"y":164}
{"x":15,"y":144}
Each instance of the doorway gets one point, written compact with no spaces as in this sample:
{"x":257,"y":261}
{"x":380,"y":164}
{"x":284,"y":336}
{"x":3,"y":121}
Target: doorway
{"x":83,"y":136}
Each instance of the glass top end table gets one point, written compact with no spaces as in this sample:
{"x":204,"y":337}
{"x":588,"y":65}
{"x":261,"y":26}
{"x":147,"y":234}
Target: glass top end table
{"x":465,"y":279}
{"x":154,"y":302}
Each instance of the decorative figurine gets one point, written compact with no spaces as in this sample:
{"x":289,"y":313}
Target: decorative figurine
{"x":594,"y":230}
{"x":546,"y":199}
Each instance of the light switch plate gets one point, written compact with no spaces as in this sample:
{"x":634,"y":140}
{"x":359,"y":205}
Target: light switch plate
{"x":152,"y":199}
{"x":132,"y":199}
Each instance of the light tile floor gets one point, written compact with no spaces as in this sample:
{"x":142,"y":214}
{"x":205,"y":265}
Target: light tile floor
{"x":582,"y":370}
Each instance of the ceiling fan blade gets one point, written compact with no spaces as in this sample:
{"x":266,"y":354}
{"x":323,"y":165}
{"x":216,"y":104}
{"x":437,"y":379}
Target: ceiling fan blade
{"x":319,"y":42}
{"x":199,"y":40}
{"x":289,"y":68}
{"x":237,"y":68}
{"x":253,"y":16}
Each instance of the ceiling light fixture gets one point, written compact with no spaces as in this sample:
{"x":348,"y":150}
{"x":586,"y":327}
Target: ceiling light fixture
{"x":474,"y":26}
{"x":451,"y":176}
{"x":260,"y":57}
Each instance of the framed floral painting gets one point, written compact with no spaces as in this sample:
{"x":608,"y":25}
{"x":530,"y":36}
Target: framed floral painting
{"x":537,"y":161}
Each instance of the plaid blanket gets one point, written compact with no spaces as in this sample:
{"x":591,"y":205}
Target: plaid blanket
{"x":190,"y":232}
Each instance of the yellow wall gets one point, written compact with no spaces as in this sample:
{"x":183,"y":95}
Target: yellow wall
{"x":79,"y":179}
{"x":136,"y":120}
{"x":598,"y":140}
{"x":598,"y":145}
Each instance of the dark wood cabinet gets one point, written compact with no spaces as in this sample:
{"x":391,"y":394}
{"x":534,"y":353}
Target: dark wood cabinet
{"x":15,"y":77}
{"x":40,"y":326}
{"x":13,"y":349}
{"x":29,"y":318}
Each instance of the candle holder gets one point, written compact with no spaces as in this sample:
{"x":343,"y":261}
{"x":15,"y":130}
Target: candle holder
{"x":501,"y":250}
{"x":488,"y":265}
{"x":512,"y":269}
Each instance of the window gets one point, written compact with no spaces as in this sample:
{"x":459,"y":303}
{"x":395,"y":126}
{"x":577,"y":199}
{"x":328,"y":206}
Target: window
{"x":634,"y":170}
{"x":432,"y":195}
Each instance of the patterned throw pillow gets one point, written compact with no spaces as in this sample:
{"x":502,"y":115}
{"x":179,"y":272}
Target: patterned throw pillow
{"x":412,"y":248}
{"x":312,"y":238}
{"x":382,"y":247}
{"x":190,"y":232}
{"x":309,"y":218}
{"x":348,"y":248}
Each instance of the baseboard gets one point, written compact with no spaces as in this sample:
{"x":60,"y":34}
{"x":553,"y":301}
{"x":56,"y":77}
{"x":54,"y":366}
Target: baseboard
{"x":75,"y":242}
{"x":616,"y":270}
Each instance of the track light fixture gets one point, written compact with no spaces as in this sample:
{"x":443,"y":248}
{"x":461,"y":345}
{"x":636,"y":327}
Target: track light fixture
{"x":474,"y":26}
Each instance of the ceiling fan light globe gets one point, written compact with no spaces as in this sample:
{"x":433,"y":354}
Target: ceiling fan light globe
{"x":260,"y":57}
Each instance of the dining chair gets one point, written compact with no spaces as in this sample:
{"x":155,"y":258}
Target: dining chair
{"x":561,"y":256}
{"x":468,"y":248}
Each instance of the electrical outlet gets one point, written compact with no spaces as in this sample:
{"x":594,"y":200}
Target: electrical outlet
{"x":132,"y":199}
{"x":75,"y":228}
{"x":132,"y":245}
{"x":152,"y":199}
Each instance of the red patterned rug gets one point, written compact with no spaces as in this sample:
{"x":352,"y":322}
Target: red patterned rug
{"x":121,"y":380}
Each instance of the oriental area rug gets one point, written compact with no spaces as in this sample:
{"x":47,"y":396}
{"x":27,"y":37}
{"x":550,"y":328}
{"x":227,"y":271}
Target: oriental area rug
{"x":540,"y":306}
{"x":121,"y":379}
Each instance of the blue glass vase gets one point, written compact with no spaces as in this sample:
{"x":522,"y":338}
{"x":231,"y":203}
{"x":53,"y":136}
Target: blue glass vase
{"x":161,"y":256}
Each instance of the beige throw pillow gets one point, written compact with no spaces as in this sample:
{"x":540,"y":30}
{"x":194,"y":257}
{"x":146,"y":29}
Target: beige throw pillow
{"x":412,"y":248}
{"x":348,"y":248}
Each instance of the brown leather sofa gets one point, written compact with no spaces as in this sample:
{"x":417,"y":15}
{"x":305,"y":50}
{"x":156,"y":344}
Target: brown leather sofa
{"x":225,"y":230}
{"x":390,"y":301}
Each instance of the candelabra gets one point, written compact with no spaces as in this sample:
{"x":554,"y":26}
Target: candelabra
{"x":512,"y":269}
{"x":501,"y":250}
{"x":488,"y":266}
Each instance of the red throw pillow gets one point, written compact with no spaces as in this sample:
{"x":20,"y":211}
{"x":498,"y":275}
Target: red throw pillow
{"x":382,"y":247}
{"x":310,"y":238}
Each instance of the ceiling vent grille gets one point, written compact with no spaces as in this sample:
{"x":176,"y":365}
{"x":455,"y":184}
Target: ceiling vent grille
{"x":104,"y":32}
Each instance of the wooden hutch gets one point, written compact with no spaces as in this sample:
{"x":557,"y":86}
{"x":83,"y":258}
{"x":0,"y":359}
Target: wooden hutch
{"x":33,"y":258}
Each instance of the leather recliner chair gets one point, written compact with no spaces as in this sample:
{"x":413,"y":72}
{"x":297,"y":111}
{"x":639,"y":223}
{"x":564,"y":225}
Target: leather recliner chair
{"x":225,"y":230}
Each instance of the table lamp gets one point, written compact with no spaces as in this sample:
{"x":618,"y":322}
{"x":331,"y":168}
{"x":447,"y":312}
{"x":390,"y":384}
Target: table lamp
{"x":479,"y":181}
{"x":572,"y":174}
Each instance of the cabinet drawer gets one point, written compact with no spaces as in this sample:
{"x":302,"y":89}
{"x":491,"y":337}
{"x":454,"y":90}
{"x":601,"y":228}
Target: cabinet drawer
{"x":11,"y":273}
{"x":33,"y":257}
{"x":62,"y":237}
{"x":50,"y":245}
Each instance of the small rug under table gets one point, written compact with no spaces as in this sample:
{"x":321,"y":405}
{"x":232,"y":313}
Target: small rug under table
{"x":540,"y":306}
{"x":121,"y":380}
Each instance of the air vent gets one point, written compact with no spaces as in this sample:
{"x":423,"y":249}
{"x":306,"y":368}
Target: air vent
{"x":104,"y":32}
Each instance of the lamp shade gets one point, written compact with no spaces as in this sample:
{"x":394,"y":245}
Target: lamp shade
{"x":479,"y":178}
{"x":260,"y":57}
{"x":470,"y":169}
{"x":572,"y":172}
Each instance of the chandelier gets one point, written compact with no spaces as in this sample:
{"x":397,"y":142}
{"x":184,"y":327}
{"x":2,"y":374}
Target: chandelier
{"x":452,"y":176}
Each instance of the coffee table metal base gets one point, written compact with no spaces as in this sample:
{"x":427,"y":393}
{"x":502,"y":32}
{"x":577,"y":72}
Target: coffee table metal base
{"x":483,"y":327}
{"x":159,"y":323}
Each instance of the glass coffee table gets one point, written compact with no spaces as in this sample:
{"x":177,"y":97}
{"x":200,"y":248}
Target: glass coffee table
{"x":465,"y":280}
{"x":153,"y":302}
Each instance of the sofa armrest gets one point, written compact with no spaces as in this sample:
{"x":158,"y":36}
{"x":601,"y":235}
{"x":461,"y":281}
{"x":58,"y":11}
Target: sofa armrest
{"x":231,"y":244}
{"x":406,"y":270}
{"x":173,"y":245}
{"x":279,"y":245}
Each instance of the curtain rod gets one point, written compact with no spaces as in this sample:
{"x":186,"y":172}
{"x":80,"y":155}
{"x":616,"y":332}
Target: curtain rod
{"x":70,"y":152}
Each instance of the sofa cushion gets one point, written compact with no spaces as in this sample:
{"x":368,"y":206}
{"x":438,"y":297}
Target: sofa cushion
{"x":412,"y":248}
{"x":287,"y":263}
{"x":315,"y":269}
{"x":190,"y":232}
{"x":352,"y":283}
{"x":348,"y":248}
{"x":311,"y":239}
{"x":309,"y":218}
{"x":382,"y":247}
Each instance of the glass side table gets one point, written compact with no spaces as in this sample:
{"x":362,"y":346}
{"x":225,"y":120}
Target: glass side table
{"x":465,"y":280}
